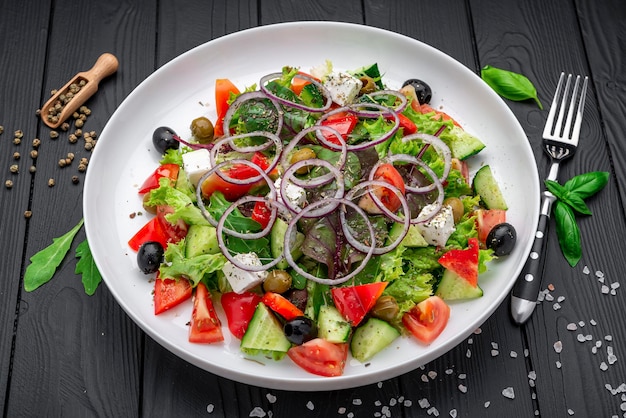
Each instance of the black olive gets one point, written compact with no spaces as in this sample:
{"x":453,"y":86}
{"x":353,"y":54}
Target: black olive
{"x":150,"y":257}
{"x":422,"y":90}
{"x":501,"y":239}
{"x":298,"y":297}
{"x":300,"y":330}
{"x":163,"y":139}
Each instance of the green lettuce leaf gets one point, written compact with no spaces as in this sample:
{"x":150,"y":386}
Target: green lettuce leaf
{"x":195,"y":268}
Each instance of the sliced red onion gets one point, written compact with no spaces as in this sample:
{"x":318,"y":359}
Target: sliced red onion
{"x":216,"y":170}
{"x":405,"y":221}
{"x":441,"y":146}
{"x":403,"y":101}
{"x":289,"y":103}
{"x":290,"y":233}
{"x":356,"y":109}
{"x":302,"y":134}
{"x":192,"y":145}
{"x":251,"y":95}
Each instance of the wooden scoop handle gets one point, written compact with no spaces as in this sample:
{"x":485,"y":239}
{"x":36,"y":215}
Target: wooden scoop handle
{"x":105,"y":66}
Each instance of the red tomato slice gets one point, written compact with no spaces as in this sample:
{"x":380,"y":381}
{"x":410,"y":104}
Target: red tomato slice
{"x":426,"y":108}
{"x":239,"y":309}
{"x":463,"y":262}
{"x":427,"y":319}
{"x":205,"y":326}
{"x":343,"y":123}
{"x":281,"y":305}
{"x":169,"y":293}
{"x":231,"y":191}
{"x":408,"y":126}
{"x":354,"y":302}
{"x":486,"y":219}
{"x":320,"y":357}
{"x":223,"y":88}
{"x":151,"y":231}
{"x":166,"y":170}
{"x":462,"y":167}
{"x":387,"y":173}
{"x":261,"y":213}
{"x":174,"y":232}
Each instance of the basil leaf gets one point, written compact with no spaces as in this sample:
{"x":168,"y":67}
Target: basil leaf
{"x":588,"y":184}
{"x":87,"y":268}
{"x":567,"y":232}
{"x":556,"y":189}
{"x":510,"y":85}
{"x":565,"y":196}
{"x":44,"y":263}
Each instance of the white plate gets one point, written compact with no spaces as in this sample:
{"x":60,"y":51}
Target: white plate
{"x":183,"y":89}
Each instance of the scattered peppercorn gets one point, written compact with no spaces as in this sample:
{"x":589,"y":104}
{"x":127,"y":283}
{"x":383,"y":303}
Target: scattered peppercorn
{"x":19,"y":134}
{"x":14,"y":168}
{"x":75,"y":179}
{"x":17,"y":140}
{"x":28,"y":214}
{"x":65,"y":126}
{"x":36,"y":143}
{"x":54,"y":134}
{"x":78,"y":132}
{"x":34,"y":154}
{"x":8,"y":184}
{"x":72,"y":138}
{"x":16,"y":155}
{"x":1,"y":129}
{"x":79,"y":123}
{"x":50,"y":182}
{"x":32,"y":169}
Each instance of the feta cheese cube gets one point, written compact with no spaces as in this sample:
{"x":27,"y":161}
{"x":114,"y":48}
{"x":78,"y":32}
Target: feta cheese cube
{"x":439,"y":228}
{"x":343,"y":87}
{"x":295,"y":194}
{"x":241,"y":280}
{"x":196,"y":163}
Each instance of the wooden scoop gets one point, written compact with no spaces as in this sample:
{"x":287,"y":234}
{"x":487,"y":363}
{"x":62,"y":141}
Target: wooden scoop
{"x":104,"y":67}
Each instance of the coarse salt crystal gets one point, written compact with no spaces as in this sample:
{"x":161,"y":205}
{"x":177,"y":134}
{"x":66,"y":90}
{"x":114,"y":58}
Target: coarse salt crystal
{"x":468,"y":354}
{"x":549,"y":298}
{"x":593,"y":322}
{"x":532,"y":375}
{"x":393,"y":402}
{"x":424,"y":378}
{"x":432,"y":374}
{"x":572,"y":326}
{"x":449,"y":371}
{"x":378,"y":403}
{"x":423,"y":403}
{"x":494,"y":345}
{"x":257,"y":412}
{"x":453,"y":413}
{"x":271,"y":398}
{"x":556,"y":306}
{"x":558,"y":346}
{"x":462,"y":376}
{"x":487,"y":404}
{"x":586,"y":270}
{"x":478,"y":331}
{"x":513,"y":354}
{"x":310,"y":405}
{"x":599,"y":273}
{"x":462,"y":388}
{"x":605,"y":289}
{"x":508,"y":392}
{"x":580,"y":338}
{"x":379,"y":384}
{"x":385,"y":411}
{"x":357,"y":401}
{"x":594,"y":349}
{"x":408,"y":403}
{"x":560,"y":299}
{"x":494,"y":353}
{"x":342,"y":410}
{"x":603,"y":366}
{"x":470,"y":341}
{"x":433,"y":411}
{"x":608,"y":337}
{"x":570,"y":412}
{"x":210,"y":408}
{"x":558,"y":364}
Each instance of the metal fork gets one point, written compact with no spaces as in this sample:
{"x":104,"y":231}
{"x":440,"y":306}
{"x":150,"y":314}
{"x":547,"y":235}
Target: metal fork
{"x":559,"y":142}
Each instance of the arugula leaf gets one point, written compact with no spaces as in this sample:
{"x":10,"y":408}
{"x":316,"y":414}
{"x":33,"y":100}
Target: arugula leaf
{"x":510,"y":85}
{"x":86,"y":267}
{"x":44,"y":263}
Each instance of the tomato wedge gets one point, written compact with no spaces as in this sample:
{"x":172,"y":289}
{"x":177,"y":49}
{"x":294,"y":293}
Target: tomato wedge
{"x":205,"y":326}
{"x":408,"y":126}
{"x":174,"y":232}
{"x":463,"y":262}
{"x":169,"y":293}
{"x":354,"y":302}
{"x":223,"y":89}
{"x":343,"y":123}
{"x":261,"y":213}
{"x":427,"y":319}
{"x":231,"y":191}
{"x":387,"y":173}
{"x":281,"y":305}
{"x":165,"y":170}
{"x":151,"y":231}
{"x":320,"y":357}
{"x":297,"y":83}
{"x":239,"y":309}
{"x":486,"y":219}
{"x":426,"y":108}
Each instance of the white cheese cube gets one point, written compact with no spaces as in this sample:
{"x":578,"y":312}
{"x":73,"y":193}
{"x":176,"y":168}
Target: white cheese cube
{"x":241,"y":280}
{"x":295,"y":194}
{"x":439,"y":228}
{"x":196,"y":163}
{"x":343,"y":87}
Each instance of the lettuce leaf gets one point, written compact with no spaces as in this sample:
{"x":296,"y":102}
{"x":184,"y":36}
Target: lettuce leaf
{"x":195,"y":269}
{"x":182,"y":204}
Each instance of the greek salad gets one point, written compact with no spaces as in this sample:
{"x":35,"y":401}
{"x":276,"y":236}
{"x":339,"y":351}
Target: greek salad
{"x":327,"y":213}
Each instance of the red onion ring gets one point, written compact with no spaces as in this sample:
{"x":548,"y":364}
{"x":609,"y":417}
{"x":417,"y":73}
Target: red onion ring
{"x":290,"y":231}
{"x":397,"y":94}
{"x":215,"y":170}
{"x":439,"y":145}
{"x":406,"y":220}
{"x":302,"y":134}
{"x":192,"y":145}
{"x":244,"y":97}
{"x":265,"y":79}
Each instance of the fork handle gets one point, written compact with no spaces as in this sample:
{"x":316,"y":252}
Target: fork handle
{"x":526,"y":289}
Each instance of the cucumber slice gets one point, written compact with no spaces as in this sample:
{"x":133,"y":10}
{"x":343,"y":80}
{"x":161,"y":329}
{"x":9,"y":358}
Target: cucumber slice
{"x":486,"y":186}
{"x":265,"y":335}
{"x":277,"y":243}
{"x":372,"y":337}
{"x":332,"y":326}
{"x":454,"y":287}
{"x":413,"y":237}
{"x":201,"y":239}
{"x":463,"y":144}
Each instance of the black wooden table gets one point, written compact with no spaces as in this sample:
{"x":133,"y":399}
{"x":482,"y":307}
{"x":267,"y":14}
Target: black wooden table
{"x":63,"y":353}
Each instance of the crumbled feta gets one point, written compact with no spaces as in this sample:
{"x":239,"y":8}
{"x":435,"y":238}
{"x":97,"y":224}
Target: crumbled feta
{"x":439,"y":228}
{"x":295,"y":194}
{"x":196,"y":164}
{"x":343,"y":87}
{"x":241,"y":280}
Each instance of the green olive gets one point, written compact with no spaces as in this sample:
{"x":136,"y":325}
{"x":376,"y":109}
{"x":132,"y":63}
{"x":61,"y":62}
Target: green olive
{"x":149,"y":209}
{"x":457,"y":208}
{"x":386,"y":308}
{"x":369,"y":85}
{"x":202,"y":129}
{"x":301,"y":155}
{"x":277,"y":281}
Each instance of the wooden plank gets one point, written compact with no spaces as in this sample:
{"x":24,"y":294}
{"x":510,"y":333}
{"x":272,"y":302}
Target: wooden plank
{"x":24,"y":52}
{"x":76,"y":354}
{"x":522,"y":38}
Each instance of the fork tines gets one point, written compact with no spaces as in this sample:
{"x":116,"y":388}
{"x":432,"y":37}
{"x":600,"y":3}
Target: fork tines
{"x":557,"y":131}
